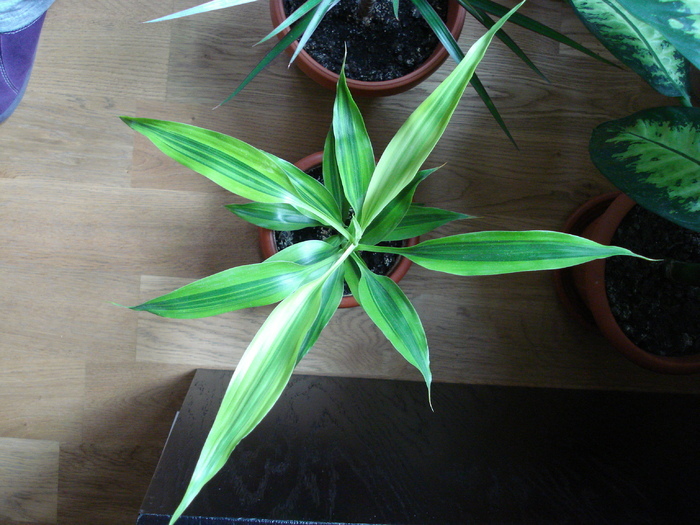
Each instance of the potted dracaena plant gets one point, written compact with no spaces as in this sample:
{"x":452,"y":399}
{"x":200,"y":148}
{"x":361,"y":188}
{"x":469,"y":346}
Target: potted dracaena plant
{"x":308,"y":277}
{"x":648,"y":311}
{"x":298,"y":34}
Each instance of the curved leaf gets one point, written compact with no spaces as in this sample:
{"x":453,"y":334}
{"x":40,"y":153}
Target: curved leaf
{"x":316,"y":17}
{"x":284,"y":217}
{"x":257,"y":383}
{"x":637,"y":44}
{"x":418,"y":136}
{"x":498,"y":252}
{"x":395,"y":316}
{"x":677,"y":20}
{"x":654,"y":157}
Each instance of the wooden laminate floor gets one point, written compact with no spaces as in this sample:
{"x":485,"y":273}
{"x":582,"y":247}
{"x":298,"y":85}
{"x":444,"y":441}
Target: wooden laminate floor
{"x":91,"y":213}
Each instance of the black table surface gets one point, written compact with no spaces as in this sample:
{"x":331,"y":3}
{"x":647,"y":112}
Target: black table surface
{"x":370,"y":451}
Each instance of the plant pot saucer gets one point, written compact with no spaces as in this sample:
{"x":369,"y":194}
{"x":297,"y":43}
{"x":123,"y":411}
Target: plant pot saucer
{"x":268,"y":244}
{"x":564,"y":281}
{"x":328,"y":79}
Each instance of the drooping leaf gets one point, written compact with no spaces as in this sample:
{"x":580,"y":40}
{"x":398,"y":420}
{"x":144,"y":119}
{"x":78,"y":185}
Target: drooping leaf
{"x":498,"y":252}
{"x":203,"y":8}
{"x":417,"y":137}
{"x":353,"y":149}
{"x":422,"y":219}
{"x":392,"y":312}
{"x":283,"y":217}
{"x":654,"y":157}
{"x":677,"y":20}
{"x":257,"y":383}
{"x":637,"y":44}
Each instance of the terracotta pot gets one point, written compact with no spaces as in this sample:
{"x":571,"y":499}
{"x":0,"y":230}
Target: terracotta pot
{"x":329,"y":79}
{"x":582,"y":288}
{"x":268,"y":245}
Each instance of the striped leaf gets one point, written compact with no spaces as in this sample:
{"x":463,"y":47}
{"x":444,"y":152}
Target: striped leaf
{"x":654,"y":157}
{"x":331,"y":175}
{"x":498,"y":252}
{"x":637,"y":44}
{"x":677,"y":20}
{"x":316,"y":17}
{"x":353,"y":149}
{"x":422,"y":219}
{"x":257,"y":383}
{"x":395,"y":316}
{"x":417,"y":137}
{"x":283,"y":217}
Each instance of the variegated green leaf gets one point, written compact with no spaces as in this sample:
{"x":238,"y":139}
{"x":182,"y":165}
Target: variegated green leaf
{"x":497,"y":252}
{"x":331,"y":175}
{"x":203,"y":8}
{"x":308,"y":253}
{"x":395,"y":316}
{"x":234,"y":289}
{"x":291,"y":19}
{"x":422,"y":219}
{"x":331,"y":295}
{"x":654,"y":157}
{"x":353,"y":149}
{"x":232,"y":164}
{"x":258,"y":381}
{"x":677,"y":20}
{"x":637,"y":44}
{"x":394,"y":212}
{"x":417,"y":137}
{"x":283,"y":217}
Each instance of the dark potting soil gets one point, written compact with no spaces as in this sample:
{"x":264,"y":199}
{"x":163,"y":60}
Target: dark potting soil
{"x":380,"y":47}
{"x":379,"y":263}
{"x":657,"y":314}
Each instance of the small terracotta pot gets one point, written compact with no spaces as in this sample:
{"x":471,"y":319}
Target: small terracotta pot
{"x":582,"y":288}
{"x":268,"y":245}
{"x":329,"y":79}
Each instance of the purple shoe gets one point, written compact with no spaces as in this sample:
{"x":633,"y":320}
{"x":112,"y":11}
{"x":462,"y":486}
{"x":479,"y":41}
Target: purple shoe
{"x":17,"y":51}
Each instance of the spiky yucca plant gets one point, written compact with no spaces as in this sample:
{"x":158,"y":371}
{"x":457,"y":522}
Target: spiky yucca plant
{"x":365,"y":203}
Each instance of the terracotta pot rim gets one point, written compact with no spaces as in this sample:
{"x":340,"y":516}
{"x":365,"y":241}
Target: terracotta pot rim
{"x":593,"y":273}
{"x":268,"y":245}
{"x":328,"y":79}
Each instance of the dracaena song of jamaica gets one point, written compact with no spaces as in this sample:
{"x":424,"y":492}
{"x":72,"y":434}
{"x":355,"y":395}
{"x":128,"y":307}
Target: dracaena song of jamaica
{"x":365,"y":203}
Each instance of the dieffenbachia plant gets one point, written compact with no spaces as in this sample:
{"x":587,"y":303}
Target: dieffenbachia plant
{"x":304,"y":21}
{"x":364,"y":202}
{"x":653,"y":157}
{"x":657,"y":39}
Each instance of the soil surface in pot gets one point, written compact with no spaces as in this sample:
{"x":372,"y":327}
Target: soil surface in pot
{"x":657,"y":314}
{"x":379,"y":263}
{"x":380,"y":47}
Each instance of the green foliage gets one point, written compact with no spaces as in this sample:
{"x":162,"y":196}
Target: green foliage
{"x":365,"y":204}
{"x":629,"y":29}
{"x":654,"y":157}
{"x":305,"y":20}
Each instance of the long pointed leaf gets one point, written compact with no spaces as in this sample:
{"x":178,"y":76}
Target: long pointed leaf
{"x":257,"y":383}
{"x":331,"y":175}
{"x":636,"y":44}
{"x":203,"y":8}
{"x":291,"y":19}
{"x":316,"y":18}
{"x":232,"y":164}
{"x":497,"y":252}
{"x":417,"y":137}
{"x":395,"y":316}
{"x":353,"y":148}
{"x":654,"y":157}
